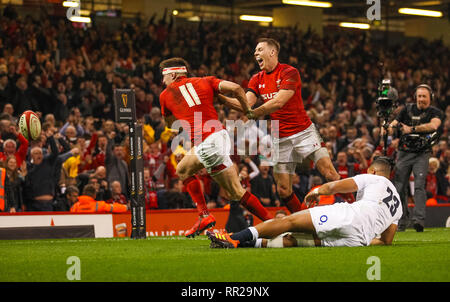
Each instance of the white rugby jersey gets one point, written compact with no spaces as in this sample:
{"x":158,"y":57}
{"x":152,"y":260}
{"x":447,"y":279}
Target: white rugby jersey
{"x":377,"y":203}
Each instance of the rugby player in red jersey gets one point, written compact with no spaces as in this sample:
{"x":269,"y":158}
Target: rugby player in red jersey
{"x":189,"y":100}
{"x":279,"y":87}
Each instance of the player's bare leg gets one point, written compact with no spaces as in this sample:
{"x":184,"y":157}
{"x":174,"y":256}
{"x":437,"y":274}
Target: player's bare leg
{"x":299,"y":222}
{"x":290,"y":240}
{"x":284,"y":189}
{"x":228,"y":179}
{"x":284,"y":184}
{"x":326,"y":168}
{"x":188,"y":166}
{"x":186,"y":170}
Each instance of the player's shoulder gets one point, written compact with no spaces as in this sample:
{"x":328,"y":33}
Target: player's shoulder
{"x":367,"y":179}
{"x":201,"y":80}
{"x":193,"y":79}
{"x":209,"y":77}
{"x":257,"y":76}
{"x":210,"y":81}
{"x":285,"y":66}
{"x":163,"y":93}
{"x":287,"y":69}
{"x":166,"y":92}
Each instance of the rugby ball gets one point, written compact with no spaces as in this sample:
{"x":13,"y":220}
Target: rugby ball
{"x":30,"y":125}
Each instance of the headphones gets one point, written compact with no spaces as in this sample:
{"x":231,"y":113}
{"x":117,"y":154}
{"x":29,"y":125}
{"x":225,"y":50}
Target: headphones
{"x":426,"y":87}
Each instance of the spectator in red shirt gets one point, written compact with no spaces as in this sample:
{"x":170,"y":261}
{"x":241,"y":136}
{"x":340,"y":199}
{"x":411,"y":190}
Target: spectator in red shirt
{"x":153,"y":158}
{"x":151,"y":197}
{"x":86,"y":153}
{"x":117,"y":195}
{"x":98,"y":158}
{"x":10,"y":147}
{"x":345,"y":170}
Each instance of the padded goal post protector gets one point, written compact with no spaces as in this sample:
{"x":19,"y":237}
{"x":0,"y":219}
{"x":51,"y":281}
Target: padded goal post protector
{"x":125,"y":112}
{"x":137,"y":191}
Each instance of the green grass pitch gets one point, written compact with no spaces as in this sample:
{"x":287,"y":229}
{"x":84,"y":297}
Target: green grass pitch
{"x":413,"y":257}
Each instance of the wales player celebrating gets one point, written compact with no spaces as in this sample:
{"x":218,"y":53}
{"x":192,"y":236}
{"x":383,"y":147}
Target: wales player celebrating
{"x":279,"y":87}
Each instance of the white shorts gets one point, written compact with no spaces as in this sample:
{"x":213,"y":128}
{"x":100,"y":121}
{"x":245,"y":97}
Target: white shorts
{"x":214,"y":152}
{"x":288,"y":151}
{"x":337,"y":225}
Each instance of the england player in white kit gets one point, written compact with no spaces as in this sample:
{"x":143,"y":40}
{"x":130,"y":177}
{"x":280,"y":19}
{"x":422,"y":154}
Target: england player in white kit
{"x":371,"y":220}
{"x":376,"y":208}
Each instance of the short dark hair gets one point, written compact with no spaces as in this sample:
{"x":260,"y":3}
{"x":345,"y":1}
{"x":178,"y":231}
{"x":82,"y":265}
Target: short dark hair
{"x":271,"y":42}
{"x":89,"y":190}
{"x":174,"y":62}
{"x":45,"y":126}
{"x":72,"y":189}
{"x":383,"y":162}
{"x":173,"y":182}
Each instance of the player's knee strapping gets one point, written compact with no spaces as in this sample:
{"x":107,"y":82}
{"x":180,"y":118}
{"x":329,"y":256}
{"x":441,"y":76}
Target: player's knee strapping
{"x":302,"y":240}
{"x":276,"y":242}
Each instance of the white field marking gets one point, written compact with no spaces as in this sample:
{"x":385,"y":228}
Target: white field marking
{"x":25,"y":242}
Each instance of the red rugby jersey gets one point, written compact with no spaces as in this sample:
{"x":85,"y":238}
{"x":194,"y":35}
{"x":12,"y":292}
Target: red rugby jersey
{"x":189,"y":99}
{"x":292,"y":116}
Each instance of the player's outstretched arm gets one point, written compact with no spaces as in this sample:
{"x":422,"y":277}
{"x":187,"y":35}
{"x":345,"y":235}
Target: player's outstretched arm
{"x":237,"y":91}
{"x":274,"y":104}
{"x":234,"y":103}
{"x":231,"y":103}
{"x":347,"y":185}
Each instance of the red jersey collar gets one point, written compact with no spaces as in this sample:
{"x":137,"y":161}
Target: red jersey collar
{"x":276,"y":67}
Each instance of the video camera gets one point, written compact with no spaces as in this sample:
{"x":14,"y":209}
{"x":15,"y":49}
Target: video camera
{"x":387,"y":99}
{"x":386,"y":103}
{"x":414,"y":142}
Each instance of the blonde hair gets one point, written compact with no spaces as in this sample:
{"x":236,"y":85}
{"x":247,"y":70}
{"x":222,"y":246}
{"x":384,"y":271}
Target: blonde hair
{"x":434,"y":160}
{"x":14,"y":173}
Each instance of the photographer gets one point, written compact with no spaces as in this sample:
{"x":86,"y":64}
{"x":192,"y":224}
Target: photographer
{"x":419,"y":124}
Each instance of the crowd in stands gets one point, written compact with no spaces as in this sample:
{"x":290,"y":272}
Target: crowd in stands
{"x":67,"y":75}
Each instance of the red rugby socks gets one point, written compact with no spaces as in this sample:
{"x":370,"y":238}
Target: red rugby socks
{"x":292,"y":203}
{"x":194,"y":189}
{"x":252,"y":203}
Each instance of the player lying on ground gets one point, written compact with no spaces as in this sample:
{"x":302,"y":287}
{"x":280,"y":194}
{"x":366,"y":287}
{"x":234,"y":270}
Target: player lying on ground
{"x":189,"y":100}
{"x":372,"y":219}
